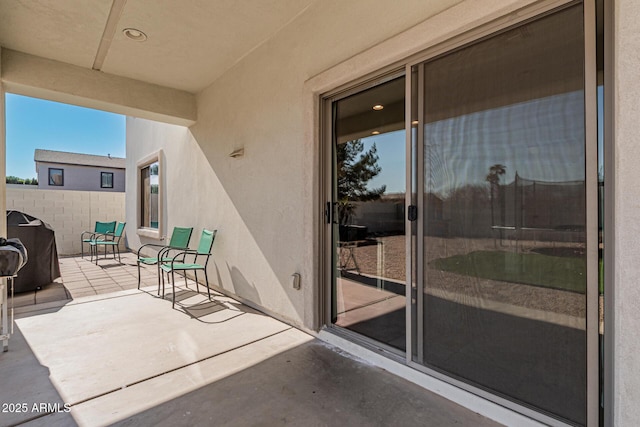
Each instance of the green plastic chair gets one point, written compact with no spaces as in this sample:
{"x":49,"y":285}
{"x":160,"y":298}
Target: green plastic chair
{"x":100,"y":228}
{"x":176,"y":264}
{"x":108,"y":240}
{"x":180,"y":238}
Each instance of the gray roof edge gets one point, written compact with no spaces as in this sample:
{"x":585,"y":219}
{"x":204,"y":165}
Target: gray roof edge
{"x":63,"y":157}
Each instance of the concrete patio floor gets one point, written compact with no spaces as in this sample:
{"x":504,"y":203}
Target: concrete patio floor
{"x":125,"y":357}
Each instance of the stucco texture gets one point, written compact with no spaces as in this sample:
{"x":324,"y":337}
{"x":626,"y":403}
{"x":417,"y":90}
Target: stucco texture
{"x":627,"y":213}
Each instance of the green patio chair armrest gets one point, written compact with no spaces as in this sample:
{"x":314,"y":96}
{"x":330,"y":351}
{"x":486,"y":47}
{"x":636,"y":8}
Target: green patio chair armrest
{"x":166,"y":252}
{"x":96,"y":236}
{"x":184,"y":253}
{"x":100,"y":238}
{"x":91,"y":233}
{"x":150,"y":244}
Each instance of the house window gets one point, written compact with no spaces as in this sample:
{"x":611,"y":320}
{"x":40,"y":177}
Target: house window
{"x":106,"y":179}
{"x":56,"y":177}
{"x":150,"y":196}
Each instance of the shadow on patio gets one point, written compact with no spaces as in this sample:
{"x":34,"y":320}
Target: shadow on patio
{"x":124,"y":356}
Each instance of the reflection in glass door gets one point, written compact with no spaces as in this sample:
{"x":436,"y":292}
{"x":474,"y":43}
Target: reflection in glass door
{"x":501,"y":300}
{"x":368,"y":230}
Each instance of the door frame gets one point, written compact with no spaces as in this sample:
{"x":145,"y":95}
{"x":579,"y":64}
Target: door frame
{"x":327,"y":173}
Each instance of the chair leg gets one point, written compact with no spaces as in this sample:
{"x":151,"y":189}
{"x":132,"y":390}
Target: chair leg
{"x":160,"y":273}
{"x":197,"y":285}
{"x":173,"y":287}
{"x":138,"y":262}
{"x":161,"y":279}
{"x":206,"y":280}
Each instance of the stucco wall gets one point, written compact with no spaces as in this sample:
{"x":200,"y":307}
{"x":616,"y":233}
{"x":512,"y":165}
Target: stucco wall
{"x":627,"y":213}
{"x":83,"y":178}
{"x":68,"y":212}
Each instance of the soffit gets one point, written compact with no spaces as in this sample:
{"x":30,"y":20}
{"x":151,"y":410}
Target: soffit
{"x":190,"y":43}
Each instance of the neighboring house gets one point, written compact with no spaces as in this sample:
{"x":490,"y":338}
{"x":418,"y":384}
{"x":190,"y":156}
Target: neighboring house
{"x":499,"y":113}
{"x":60,"y":170}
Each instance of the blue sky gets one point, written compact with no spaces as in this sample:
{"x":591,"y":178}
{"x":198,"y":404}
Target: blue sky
{"x":391,"y":159}
{"x":35,"y":123}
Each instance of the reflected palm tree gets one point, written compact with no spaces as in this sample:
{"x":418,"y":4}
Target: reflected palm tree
{"x":493,"y":178}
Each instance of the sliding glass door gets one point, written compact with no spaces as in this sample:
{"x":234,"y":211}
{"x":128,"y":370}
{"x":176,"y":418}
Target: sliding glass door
{"x":502,"y":286}
{"x":475,"y":258}
{"x":368,"y":225}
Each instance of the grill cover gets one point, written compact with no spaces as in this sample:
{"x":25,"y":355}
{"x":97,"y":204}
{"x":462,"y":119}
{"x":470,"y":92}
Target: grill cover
{"x":39,"y":239}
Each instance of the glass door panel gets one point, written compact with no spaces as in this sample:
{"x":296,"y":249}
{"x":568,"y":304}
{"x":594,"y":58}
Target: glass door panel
{"x":368,"y":230}
{"x":502,"y":300}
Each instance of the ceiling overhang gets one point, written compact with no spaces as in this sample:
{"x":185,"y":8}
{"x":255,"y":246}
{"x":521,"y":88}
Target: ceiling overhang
{"x":38,"y":77}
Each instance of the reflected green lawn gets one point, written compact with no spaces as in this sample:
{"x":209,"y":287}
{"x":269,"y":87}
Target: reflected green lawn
{"x":566,"y":273}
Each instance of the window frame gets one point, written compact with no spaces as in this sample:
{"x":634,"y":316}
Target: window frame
{"x":152,"y":233}
{"x":102,"y":174}
{"x":50,"y":181}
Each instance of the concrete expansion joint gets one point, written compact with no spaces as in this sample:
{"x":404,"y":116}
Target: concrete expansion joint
{"x":168,"y":371}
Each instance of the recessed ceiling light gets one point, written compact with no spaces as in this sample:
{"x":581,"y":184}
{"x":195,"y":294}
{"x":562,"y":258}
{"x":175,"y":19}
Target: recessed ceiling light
{"x":415,"y":122}
{"x":378,"y":107}
{"x":134,"y":34}
{"x":375,"y":132}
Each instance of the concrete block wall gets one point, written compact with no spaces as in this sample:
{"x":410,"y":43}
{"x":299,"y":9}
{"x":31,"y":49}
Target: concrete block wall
{"x":68,"y":212}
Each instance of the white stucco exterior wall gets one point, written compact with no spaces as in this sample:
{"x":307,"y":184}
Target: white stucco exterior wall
{"x":627,"y":213}
{"x":194,"y":196}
